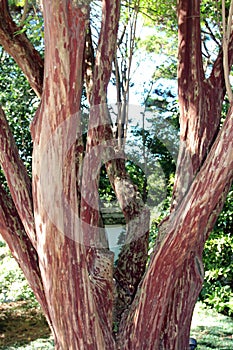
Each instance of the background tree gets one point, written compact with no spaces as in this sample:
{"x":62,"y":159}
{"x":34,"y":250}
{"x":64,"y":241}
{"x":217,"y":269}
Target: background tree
{"x":52,"y":227}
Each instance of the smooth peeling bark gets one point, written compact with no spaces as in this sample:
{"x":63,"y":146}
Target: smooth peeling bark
{"x":200,"y":102}
{"x":105,"y":51}
{"x":21,"y":248}
{"x":99,"y":258}
{"x":191,"y":97}
{"x":17,"y":178}
{"x":63,"y":265}
{"x":186,"y":230}
{"x":132,"y":260}
{"x":21,"y":49}
{"x":200,"y":99}
{"x":134,"y":254}
{"x":97,"y":74}
{"x":74,"y":297}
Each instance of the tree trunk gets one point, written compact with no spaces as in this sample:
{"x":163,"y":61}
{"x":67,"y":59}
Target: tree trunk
{"x":164,"y":328}
{"x":177,"y":288}
{"x":76,"y":321}
{"x":53,"y":228}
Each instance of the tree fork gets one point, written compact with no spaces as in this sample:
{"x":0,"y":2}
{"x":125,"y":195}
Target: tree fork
{"x":167,"y":262}
{"x":68,"y":287}
{"x":21,"y":49}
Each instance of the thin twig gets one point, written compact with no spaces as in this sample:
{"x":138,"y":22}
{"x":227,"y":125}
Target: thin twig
{"x":226,"y":36}
{"x":210,"y":32}
{"x":24,"y":15}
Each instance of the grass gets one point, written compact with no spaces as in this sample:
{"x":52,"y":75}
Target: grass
{"x":211,"y":329}
{"x":39,"y":344}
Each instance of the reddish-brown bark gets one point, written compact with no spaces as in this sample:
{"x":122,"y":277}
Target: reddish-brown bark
{"x":97,"y":78}
{"x":182,"y":244}
{"x":55,"y":234}
{"x":134,"y":253}
{"x":21,"y":49}
{"x":17,"y":177}
{"x":200,"y":99}
{"x":57,"y":225}
{"x":21,"y":247}
{"x":201,"y":102}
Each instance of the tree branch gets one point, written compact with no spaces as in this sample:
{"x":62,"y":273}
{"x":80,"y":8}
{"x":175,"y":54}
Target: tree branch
{"x":105,"y":50}
{"x":186,"y":234}
{"x":13,"y":233}
{"x":132,"y":260}
{"x":189,"y":37}
{"x":25,"y":9}
{"x":210,"y":32}
{"x":21,"y":49}
{"x":17,"y":178}
{"x":99,"y":129}
{"x":60,"y":233}
{"x":200,"y":99}
{"x":89,"y":59}
{"x":225,"y":43}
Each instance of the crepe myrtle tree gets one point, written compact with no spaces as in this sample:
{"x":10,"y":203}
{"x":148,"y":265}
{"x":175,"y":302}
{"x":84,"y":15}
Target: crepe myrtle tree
{"x":52,"y":222}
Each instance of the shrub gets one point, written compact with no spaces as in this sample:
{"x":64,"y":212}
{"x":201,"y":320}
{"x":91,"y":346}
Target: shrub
{"x":218,"y":261}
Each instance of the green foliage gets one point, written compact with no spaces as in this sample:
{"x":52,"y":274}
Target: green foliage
{"x":13,"y":286}
{"x":160,"y":12}
{"x":18,"y":3}
{"x":159,"y":43}
{"x":164,"y":211}
{"x":37,"y":34}
{"x":29,"y":20}
{"x":218,"y":261}
{"x":106,"y":192}
{"x":19,"y":103}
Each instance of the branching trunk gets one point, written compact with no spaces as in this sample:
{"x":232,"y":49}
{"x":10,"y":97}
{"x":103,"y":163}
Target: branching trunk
{"x":163,"y":276}
{"x":200,"y":99}
{"x":59,"y":229}
{"x":53,"y":229}
{"x":102,"y":145}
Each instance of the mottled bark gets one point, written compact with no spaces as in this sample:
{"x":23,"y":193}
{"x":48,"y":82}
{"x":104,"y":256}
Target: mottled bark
{"x":56,"y":237}
{"x":132,"y":260}
{"x":17,"y":178}
{"x":200,"y":102}
{"x":133,"y":256}
{"x":21,"y":49}
{"x":200,"y":99}
{"x":97,"y":79}
{"x":14,"y":234}
{"x":67,"y":282}
{"x":183,"y":243}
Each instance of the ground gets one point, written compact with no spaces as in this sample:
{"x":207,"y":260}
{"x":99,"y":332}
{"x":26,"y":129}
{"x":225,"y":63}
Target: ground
{"x":21,"y":323}
{"x":23,"y":327}
{"x":211,"y":329}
